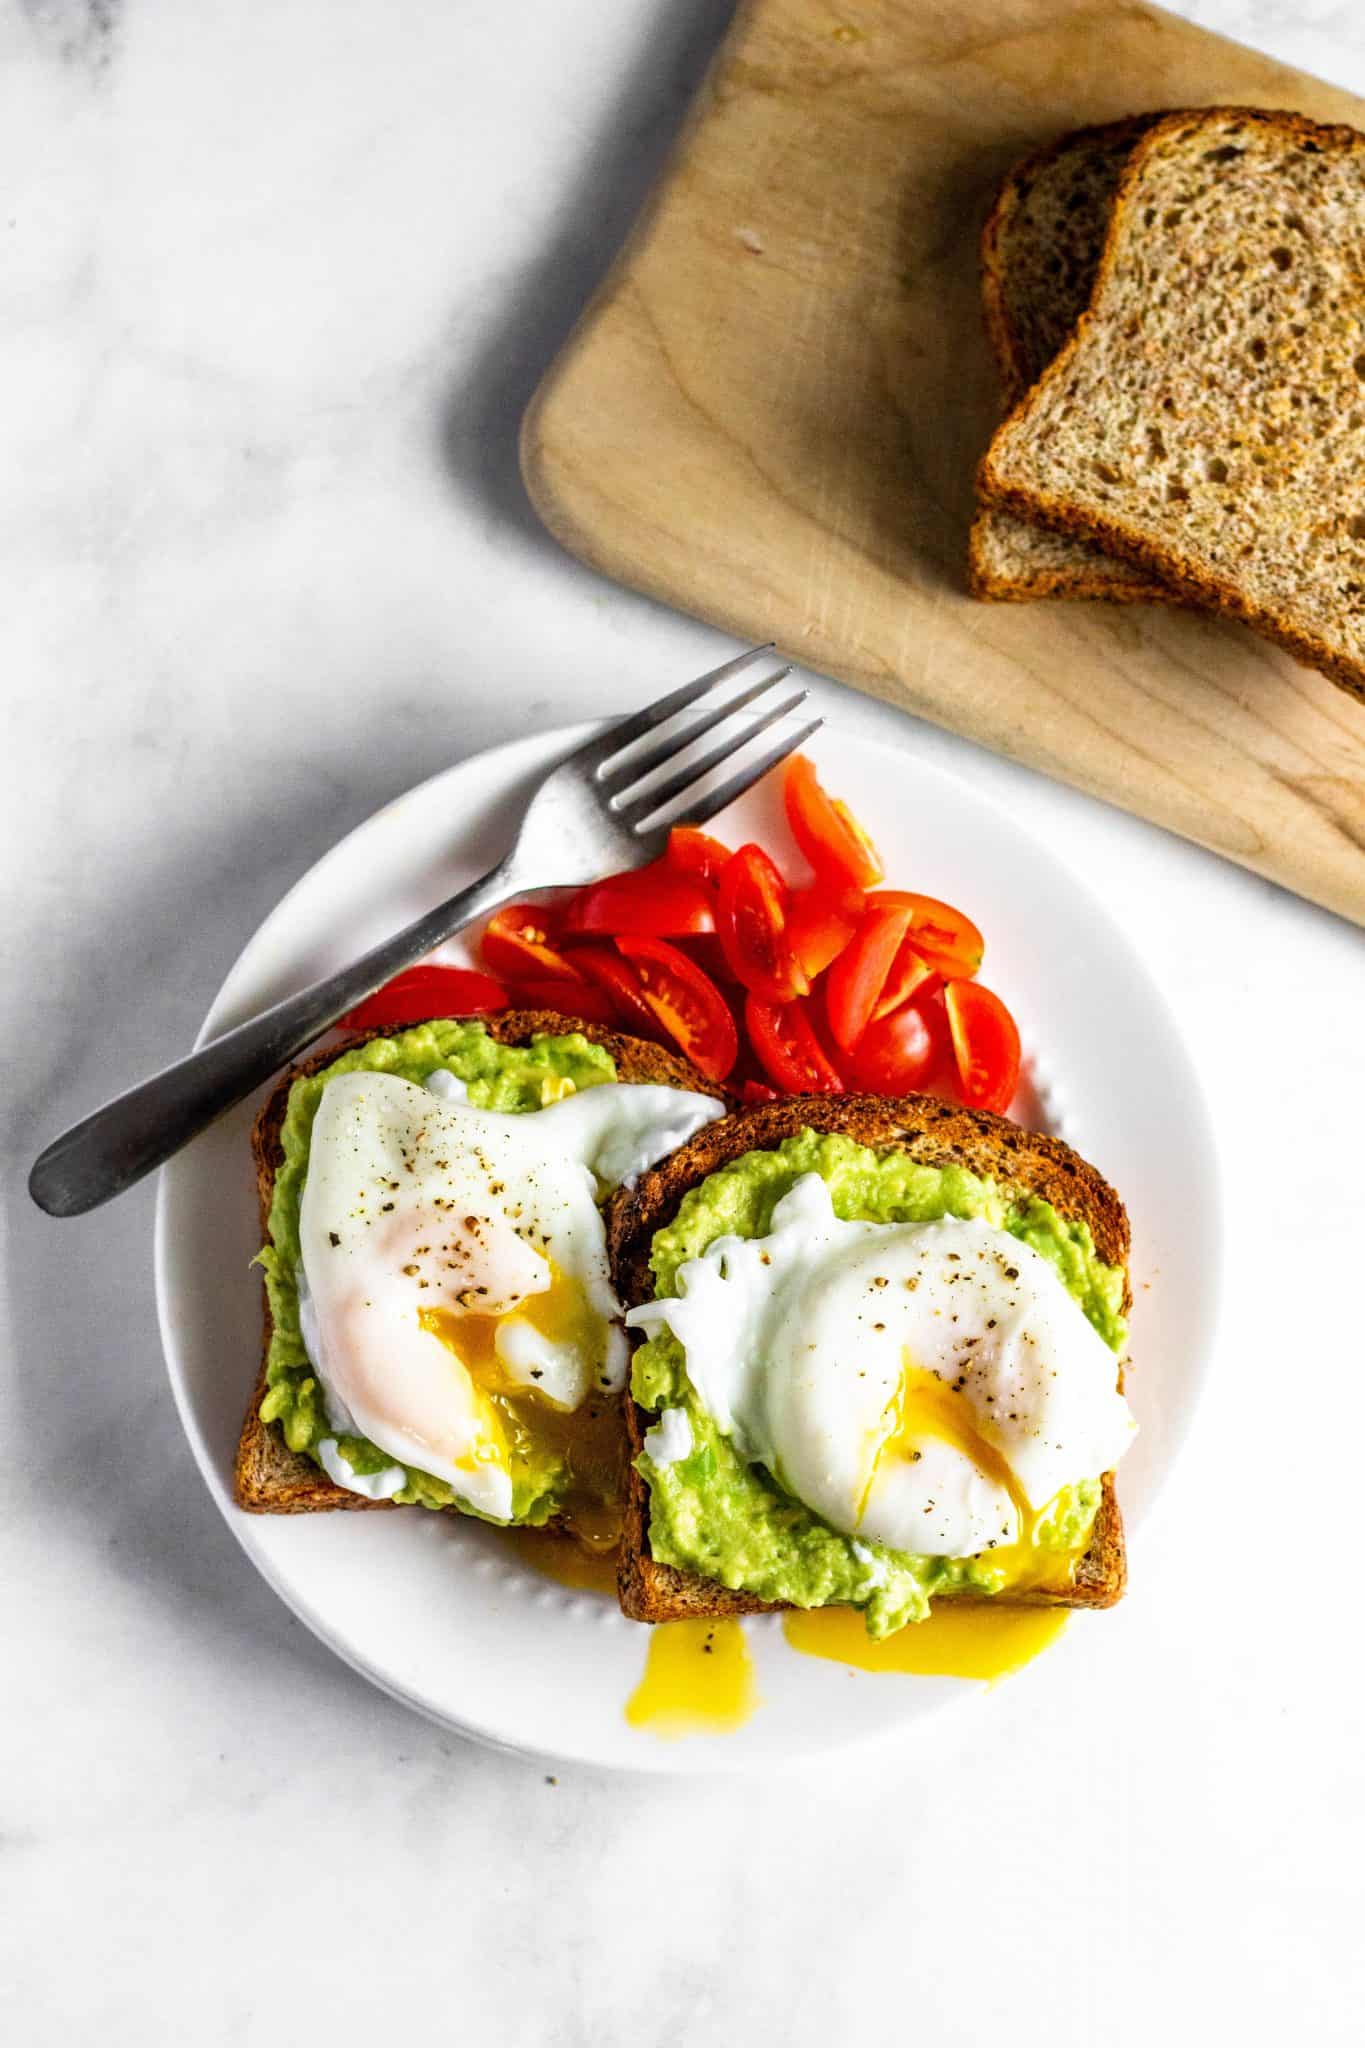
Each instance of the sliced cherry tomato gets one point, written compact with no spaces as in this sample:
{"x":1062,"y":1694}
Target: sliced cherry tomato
{"x":758,"y":1091}
{"x":517,"y":943}
{"x":911,"y":979}
{"x":819,"y":926}
{"x":751,"y":920}
{"x":835,"y":1056}
{"x":856,"y":980}
{"x":788,"y":1049}
{"x":620,"y":983}
{"x":422,"y":992}
{"x":985,"y":1045}
{"x":687,"y":1003}
{"x":897,"y":1054}
{"x":653,"y":902}
{"x":939,"y":934}
{"x":826,"y":831}
{"x":696,"y":853}
{"x":706,"y":949}
{"x":573,"y":998}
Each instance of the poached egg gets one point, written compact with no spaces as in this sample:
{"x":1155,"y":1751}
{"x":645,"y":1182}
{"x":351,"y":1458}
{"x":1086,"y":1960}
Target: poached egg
{"x":455,"y":1296}
{"x":931,"y":1387}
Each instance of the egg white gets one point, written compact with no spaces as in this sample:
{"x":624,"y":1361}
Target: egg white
{"x":816,"y":1347}
{"x":414,"y":1201}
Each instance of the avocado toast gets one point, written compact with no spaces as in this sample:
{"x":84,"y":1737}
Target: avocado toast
{"x":270,"y":1476}
{"x":971,"y":1162}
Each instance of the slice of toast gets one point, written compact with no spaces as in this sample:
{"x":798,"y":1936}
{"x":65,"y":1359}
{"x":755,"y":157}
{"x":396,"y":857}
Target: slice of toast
{"x":936,"y":1133}
{"x":269,"y":1478}
{"x":1040,"y":249}
{"x":1206,"y":421}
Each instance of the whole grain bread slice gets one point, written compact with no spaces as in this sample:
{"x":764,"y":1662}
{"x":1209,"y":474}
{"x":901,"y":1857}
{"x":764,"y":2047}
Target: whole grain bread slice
{"x":1040,"y":250}
{"x":936,"y":1133}
{"x":1206,"y":421}
{"x":269,"y":1478}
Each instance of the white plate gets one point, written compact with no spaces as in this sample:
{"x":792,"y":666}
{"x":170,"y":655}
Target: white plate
{"x":430,"y":1607}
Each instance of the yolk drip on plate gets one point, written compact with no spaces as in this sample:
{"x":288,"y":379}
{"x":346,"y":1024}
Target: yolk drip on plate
{"x":698,"y":1680}
{"x":524,"y":1429}
{"x":560,"y":1558}
{"x":973,"y":1639}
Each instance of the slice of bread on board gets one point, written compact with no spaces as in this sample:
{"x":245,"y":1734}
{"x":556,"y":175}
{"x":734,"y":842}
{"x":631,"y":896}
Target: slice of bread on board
{"x":1040,"y":249}
{"x":936,"y":1133}
{"x":1206,"y":421}
{"x":269,"y":1478}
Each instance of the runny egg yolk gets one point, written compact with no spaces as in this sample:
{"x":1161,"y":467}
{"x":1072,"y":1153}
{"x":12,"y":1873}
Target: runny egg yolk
{"x":973,"y":1640}
{"x":560,"y":1557}
{"x":525,"y":1431}
{"x":925,"y":1407}
{"x":698,"y":1680}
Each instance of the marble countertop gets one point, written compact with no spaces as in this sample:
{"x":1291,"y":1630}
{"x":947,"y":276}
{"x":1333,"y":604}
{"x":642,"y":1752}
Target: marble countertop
{"x":276,"y":286}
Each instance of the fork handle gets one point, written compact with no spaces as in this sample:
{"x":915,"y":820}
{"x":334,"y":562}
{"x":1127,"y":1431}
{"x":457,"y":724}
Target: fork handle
{"x":109,"y":1150}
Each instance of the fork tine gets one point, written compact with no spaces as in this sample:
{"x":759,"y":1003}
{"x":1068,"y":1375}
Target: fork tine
{"x":651,"y":800}
{"x":664,"y":751}
{"x":627,"y":730}
{"x":705,"y":807}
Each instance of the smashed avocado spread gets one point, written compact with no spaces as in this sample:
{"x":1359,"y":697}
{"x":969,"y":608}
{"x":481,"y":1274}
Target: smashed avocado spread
{"x":509,"y":1078}
{"x":714,"y":1513}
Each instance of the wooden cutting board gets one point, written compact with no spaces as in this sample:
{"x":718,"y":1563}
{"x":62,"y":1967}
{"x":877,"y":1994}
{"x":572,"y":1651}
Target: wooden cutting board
{"x":770,"y":414}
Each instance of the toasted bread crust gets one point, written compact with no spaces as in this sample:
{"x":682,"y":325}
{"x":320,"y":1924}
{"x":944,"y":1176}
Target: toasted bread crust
{"x":1091,"y":577}
{"x":269,"y":1478}
{"x":1033,"y":501}
{"x":937,"y":1133}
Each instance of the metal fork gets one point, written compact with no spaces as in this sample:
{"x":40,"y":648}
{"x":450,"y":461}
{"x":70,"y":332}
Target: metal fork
{"x":598,"y":810}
